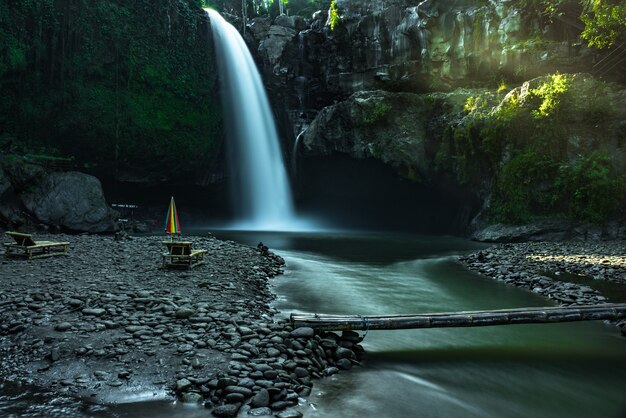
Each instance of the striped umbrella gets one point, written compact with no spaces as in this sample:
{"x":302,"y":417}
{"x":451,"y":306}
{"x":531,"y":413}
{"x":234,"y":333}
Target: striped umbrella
{"x":172,"y":224}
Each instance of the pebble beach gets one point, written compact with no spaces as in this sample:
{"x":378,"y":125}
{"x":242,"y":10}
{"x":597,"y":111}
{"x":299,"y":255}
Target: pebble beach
{"x":106,"y":321}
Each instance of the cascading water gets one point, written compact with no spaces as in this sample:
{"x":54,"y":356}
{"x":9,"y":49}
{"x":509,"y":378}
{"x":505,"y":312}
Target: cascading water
{"x":259,"y":183}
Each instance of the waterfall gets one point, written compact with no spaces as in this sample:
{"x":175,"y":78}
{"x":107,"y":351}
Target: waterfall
{"x":259,"y":183}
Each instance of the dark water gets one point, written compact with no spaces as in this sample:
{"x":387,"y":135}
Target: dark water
{"x":616,"y":291}
{"x":556,"y":370}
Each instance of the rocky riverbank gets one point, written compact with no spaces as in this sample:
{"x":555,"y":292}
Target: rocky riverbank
{"x":107,"y":323}
{"x":570,"y":272}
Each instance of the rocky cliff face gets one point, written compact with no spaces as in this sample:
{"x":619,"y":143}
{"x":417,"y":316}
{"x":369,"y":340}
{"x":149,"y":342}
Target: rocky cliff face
{"x":400,"y":81}
{"x":523,"y":166}
{"x":404,"y":45}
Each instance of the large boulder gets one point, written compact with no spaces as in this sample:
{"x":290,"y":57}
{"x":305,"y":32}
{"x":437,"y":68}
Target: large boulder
{"x":71,"y":200}
{"x":271,"y":48}
{"x":396,"y":128}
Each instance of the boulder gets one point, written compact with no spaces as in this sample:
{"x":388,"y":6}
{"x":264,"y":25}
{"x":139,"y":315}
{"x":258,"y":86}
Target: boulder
{"x":395,"y":128}
{"x":71,"y":200}
{"x":271,"y":48}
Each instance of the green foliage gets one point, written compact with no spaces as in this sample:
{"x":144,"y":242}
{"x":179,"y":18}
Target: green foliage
{"x":376,"y":114}
{"x":522,"y":142}
{"x":524,"y":190}
{"x":124,"y":82}
{"x":334,"y":16}
{"x":550,"y":94}
{"x":605,"y":22}
{"x":548,"y":8}
{"x":534,"y":185}
{"x":588,"y":188}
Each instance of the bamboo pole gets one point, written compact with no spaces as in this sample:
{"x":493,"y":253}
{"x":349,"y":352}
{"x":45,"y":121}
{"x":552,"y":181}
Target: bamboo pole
{"x":461,"y":319}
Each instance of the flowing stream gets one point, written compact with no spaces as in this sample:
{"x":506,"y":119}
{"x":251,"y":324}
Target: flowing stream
{"x":259,"y":184}
{"x":547,"y":370}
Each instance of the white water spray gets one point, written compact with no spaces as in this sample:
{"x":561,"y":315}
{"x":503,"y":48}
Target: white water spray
{"x":261,"y":192}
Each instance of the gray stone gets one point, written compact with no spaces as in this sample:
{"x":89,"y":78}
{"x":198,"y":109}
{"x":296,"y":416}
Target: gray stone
{"x":191,"y":397}
{"x":69,"y":199}
{"x":286,"y":21}
{"x":238,"y":389}
{"x":226,"y":411}
{"x":290,"y":413}
{"x":63,"y":326}
{"x":301,"y":372}
{"x":273,"y":45}
{"x":182,"y":385}
{"x":270,"y":374}
{"x":272,"y":352}
{"x":185,"y":312}
{"x":93,"y":311}
{"x":261,"y":399}
{"x":329,"y":371}
{"x":235,"y":398}
{"x":342,"y":352}
{"x":303,"y":332}
{"x":226,"y":381}
{"x":344,"y":364}
{"x":257,"y":412}
{"x":55,"y":355}
{"x":280,"y":405}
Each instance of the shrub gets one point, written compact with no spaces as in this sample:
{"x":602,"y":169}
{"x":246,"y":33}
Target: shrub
{"x":377,"y":113}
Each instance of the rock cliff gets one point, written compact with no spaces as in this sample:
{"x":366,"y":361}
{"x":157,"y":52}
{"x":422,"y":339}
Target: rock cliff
{"x":404,"y":45}
{"x":413,"y":84}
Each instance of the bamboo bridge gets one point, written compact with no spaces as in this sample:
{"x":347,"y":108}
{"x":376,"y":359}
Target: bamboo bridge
{"x":544,"y":315}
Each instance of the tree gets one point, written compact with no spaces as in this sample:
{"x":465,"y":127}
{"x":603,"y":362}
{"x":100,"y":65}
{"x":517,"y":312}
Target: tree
{"x":605,"y":22}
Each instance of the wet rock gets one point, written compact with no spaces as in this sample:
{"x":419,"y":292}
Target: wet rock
{"x":192,"y":397}
{"x":93,"y":311}
{"x":344,"y":364}
{"x":182,"y":385}
{"x":257,"y":412}
{"x":290,"y":413}
{"x":55,"y":354}
{"x":238,"y":389}
{"x":280,"y":405}
{"x":301,"y":372}
{"x":226,"y":381}
{"x":303,"y":332}
{"x":62,"y":326}
{"x":261,"y":399}
{"x":226,"y":411}
{"x":329,"y":371}
{"x":185,"y":312}
{"x":341,"y":353}
{"x":272,"y":352}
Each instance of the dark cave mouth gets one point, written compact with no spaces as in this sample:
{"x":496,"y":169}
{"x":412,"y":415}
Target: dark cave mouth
{"x":342,"y":192}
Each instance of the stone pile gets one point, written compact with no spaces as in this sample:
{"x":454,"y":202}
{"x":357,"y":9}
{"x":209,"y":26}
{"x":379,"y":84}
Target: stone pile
{"x":272,"y":366}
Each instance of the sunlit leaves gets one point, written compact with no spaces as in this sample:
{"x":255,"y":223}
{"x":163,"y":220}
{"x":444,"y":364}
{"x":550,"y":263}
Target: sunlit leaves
{"x":605,"y":23}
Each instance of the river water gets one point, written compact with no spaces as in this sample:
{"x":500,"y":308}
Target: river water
{"x":555,"y":370}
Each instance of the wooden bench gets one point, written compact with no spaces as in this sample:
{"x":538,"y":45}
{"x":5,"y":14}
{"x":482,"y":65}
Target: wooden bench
{"x":25,"y":247}
{"x":180,"y":254}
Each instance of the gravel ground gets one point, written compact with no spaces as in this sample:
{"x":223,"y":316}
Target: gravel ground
{"x":107,"y":322}
{"x":567,"y":272}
